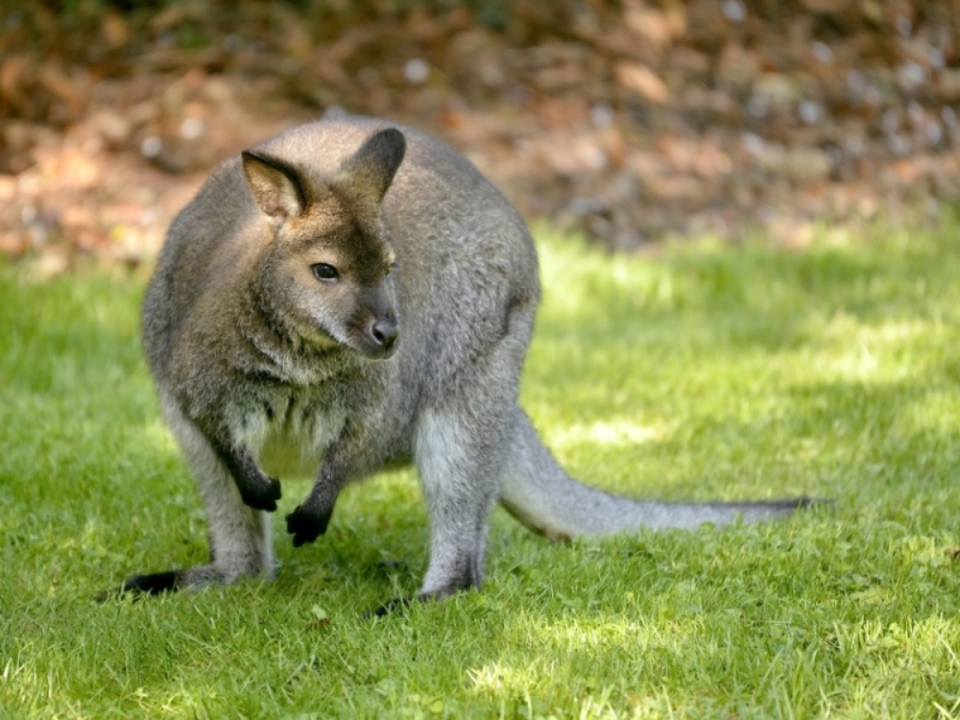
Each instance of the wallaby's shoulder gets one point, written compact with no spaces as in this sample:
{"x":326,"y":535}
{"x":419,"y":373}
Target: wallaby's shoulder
{"x":203,"y":245}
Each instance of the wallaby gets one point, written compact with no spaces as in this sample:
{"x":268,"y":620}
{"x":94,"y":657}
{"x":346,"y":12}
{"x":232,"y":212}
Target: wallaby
{"x":350,"y":294}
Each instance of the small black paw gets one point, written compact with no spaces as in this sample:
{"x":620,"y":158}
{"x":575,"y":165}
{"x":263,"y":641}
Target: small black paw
{"x":306,"y":526}
{"x":263,"y":496}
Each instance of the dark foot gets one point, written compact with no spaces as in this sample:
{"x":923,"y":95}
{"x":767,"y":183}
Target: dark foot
{"x":306,"y":525}
{"x":399,"y":604}
{"x":388,"y":607}
{"x":261,"y":496}
{"x":138,"y":585}
{"x":154,"y":584}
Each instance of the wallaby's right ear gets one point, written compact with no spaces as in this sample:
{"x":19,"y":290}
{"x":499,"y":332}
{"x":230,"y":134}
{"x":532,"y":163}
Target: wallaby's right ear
{"x":274,"y":187}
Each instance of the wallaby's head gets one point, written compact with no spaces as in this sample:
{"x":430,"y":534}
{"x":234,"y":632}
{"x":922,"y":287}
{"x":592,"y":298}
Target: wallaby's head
{"x":325,"y":264}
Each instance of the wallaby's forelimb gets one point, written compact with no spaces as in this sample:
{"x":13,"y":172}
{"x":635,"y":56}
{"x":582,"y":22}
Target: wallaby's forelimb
{"x":257,"y":490}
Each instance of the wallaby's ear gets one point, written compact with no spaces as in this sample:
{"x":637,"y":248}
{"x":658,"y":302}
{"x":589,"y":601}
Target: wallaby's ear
{"x":274,"y":187}
{"x":371,"y":170}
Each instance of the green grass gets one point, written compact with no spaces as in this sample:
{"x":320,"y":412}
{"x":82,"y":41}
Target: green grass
{"x":698,"y":372}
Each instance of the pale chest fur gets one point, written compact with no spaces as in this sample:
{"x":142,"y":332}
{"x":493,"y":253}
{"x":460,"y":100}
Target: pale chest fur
{"x":287,"y":430}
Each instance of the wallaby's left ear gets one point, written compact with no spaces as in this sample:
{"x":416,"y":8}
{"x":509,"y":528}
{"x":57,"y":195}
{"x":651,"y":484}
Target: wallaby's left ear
{"x":275,"y":187}
{"x":370,"y":172}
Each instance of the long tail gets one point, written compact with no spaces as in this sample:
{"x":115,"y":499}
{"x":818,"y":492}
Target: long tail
{"x":540,"y":494}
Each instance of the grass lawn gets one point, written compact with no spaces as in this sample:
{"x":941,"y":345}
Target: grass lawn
{"x":701,"y":371}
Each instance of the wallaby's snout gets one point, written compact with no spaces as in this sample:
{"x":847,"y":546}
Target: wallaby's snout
{"x":376,"y":329}
{"x":385,"y":332}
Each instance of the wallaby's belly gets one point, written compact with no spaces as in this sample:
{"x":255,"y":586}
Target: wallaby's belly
{"x":283,"y":456}
{"x":289,"y":435}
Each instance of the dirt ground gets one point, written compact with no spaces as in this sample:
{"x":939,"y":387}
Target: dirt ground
{"x":631,"y":121}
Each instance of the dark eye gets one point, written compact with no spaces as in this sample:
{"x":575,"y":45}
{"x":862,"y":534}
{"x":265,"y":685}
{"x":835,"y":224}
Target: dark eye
{"x":324,"y":272}
{"x":393,"y":266}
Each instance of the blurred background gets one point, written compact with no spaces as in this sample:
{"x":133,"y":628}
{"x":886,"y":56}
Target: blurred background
{"x":632,"y":122}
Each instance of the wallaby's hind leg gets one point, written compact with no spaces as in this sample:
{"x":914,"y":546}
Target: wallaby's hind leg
{"x":239,"y":535}
{"x":461,"y":446}
{"x":459,"y":465}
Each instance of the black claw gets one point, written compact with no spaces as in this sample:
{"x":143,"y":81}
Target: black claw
{"x":306,"y":526}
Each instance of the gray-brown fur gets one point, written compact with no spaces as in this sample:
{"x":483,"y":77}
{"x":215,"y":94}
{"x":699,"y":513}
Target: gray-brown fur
{"x":266,"y":365}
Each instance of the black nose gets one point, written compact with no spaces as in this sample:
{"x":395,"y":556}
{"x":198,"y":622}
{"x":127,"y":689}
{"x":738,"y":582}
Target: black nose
{"x":385,"y":332}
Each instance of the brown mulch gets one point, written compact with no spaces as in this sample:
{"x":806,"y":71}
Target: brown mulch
{"x":631,"y":121}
